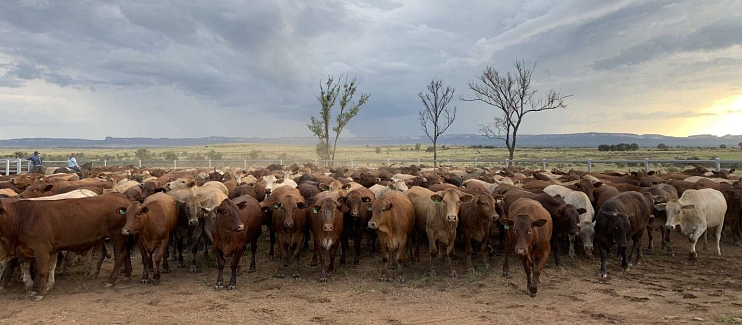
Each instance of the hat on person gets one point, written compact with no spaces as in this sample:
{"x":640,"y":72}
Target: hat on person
{"x":35,"y":152}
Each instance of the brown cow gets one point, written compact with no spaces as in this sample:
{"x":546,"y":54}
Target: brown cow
{"x":289,"y":221}
{"x":359,"y":203}
{"x":232,"y":230}
{"x":529,"y":229}
{"x":394,"y":219}
{"x":134,"y":193}
{"x":154,"y":221}
{"x":437,"y":215}
{"x":477,"y":217}
{"x":37,"y":229}
{"x":254,"y":227}
{"x":326,"y":222}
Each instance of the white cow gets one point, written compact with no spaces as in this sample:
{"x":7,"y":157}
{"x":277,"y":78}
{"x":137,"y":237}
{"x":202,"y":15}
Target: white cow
{"x":380,"y":190}
{"x":272,"y":183}
{"x":587,"y":226}
{"x":124,"y":185}
{"x":695,"y":212}
{"x":76,"y":194}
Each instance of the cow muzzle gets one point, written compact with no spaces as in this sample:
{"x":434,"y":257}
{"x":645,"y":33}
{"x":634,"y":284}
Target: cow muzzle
{"x":193,"y":223}
{"x":239,"y":228}
{"x":373,"y":225}
{"x":452,"y":218}
{"x":521,"y":251}
{"x":354,"y":214}
{"x":623,"y":245}
{"x":328,"y":227}
{"x":669,"y":227}
{"x":288,"y":224}
{"x":126,"y":231}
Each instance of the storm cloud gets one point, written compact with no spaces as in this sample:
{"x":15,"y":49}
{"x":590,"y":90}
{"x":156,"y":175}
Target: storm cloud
{"x":253,"y":68}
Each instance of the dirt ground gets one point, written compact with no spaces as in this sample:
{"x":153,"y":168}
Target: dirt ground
{"x":663,"y":290}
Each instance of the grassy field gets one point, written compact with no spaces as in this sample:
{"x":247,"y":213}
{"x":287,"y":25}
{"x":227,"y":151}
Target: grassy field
{"x":367,"y":156}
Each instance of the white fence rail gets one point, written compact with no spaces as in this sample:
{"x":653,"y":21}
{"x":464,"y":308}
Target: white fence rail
{"x":16,"y":166}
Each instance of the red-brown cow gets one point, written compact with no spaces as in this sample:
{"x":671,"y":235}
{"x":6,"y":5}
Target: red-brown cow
{"x":289,"y":221}
{"x":394,"y":219}
{"x":154,"y":221}
{"x":359,"y":203}
{"x":233,"y":228}
{"x":477,"y":217}
{"x":326,"y":220}
{"x":528,"y":228}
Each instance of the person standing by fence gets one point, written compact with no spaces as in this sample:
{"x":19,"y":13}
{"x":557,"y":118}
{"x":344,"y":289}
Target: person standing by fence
{"x":36,"y":161}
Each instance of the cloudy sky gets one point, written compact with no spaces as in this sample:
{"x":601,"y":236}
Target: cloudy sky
{"x":252,"y":68}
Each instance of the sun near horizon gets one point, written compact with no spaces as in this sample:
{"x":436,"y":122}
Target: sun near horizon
{"x":723,"y":117}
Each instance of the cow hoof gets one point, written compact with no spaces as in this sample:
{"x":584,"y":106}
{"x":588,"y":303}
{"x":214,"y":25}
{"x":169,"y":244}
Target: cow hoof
{"x":603,"y":275}
{"x":738,"y":243}
{"x":232,"y":287}
{"x":671,"y":254}
{"x":342,"y":262}
{"x":38,"y":298}
{"x":144,"y":281}
{"x":251,"y":270}
{"x":127,"y":278}
{"x":296,"y":275}
{"x":532,"y":293}
{"x":453,"y":274}
{"x":383,"y":279}
{"x":649,"y":252}
{"x":3,"y":290}
{"x":323,"y":279}
{"x":287,"y":264}
{"x":181,"y":265}
{"x":192,"y":270}
{"x":155,"y":282}
{"x":219,"y":287}
{"x":470,"y":270}
{"x":167,"y":270}
{"x":356,"y":263}
{"x":693,"y":256}
{"x":505,"y":274}
{"x":32,"y":293}
{"x":108,"y":285}
{"x":311,"y":264}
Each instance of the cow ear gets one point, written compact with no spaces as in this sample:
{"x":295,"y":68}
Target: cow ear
{"x":539,"y":223}
{"x":242,"y":205}
{"x":48,"y":187}
{"x":507,"y":222}
{"x":581,"y":210}
{"x":365,"y":199}
{"x":342,"y":200}
{"x":12,"y":181}
{"x":346,"y":186}
{"x":343,"y":208}
{"x":498,"y":198}
{"x":559,"y":197}
{"x":378,"y":180}
{"x":191,"y":183}
{"x":466,"y":198}
{"x":689,"y":206}
{"x":145,"y":209}
{"x":2,"y":210}
{"x":437,"y":198}
{"x":279,"y":181}
{"x":598,"y":184}
{"x":324,"y":186}
{"x":301,"y":205}
{"x":660,"y":207}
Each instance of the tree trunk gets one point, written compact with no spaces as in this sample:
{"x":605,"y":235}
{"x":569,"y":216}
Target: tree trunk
{"x":435,"y":154}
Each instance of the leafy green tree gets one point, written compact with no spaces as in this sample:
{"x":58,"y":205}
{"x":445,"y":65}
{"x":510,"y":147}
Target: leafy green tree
{"x":662,"y":146}
{"x":143,"y":154}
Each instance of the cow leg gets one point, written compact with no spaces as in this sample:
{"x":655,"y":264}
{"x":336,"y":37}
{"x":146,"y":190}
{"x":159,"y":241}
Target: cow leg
{"x":158,"y":258}
{"x":323,"y":266}
{"x":468,"y":250}
{"x":273,"y":243}
{"x":165,"y":265}
{"x":52,"y":268}
{"x":650,"y":245}
{"x":693,"y":255}
{"x":400,"y":258}
{"x":666,"y":241}
{"x":572,"y":240}
{"x":235,"y":266}
{"x":433,"y":248}
{"x":26,"y":275}
{"x":528,"y":268}
{"x":357,"y":237}
{"x":719,"y":229}
{"x":121,"y":256}
{"x":384,"y":262}
{"x":537,"y":270}
{"x":42,"y":274}
{"x":7,"y":273}
{"x":344,"y":245}
{"x":179,"y":243}
{"x":449,"y":254}
{"x":637,"y":246}
{"x":333,"y":252}
{"x":297,"y":252}
{"x":146,"y":261}
{"x":372,"y":239}
{"x":196,"y":237}
{"x":622,"y":253}
{"x":284,"y":262}
{"x":555,"y":250}
{"x":220,"y":266}
{"x":253,"y":250}
{"x":603,"y":254}
{"x":314,"y":255}
{"x":483,"y":250}
{"x":506,"y":260}
{"x":705,"y":240}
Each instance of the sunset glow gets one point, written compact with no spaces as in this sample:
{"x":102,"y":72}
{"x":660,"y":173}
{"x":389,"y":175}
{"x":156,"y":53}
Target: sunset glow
{"x":725,"y":117}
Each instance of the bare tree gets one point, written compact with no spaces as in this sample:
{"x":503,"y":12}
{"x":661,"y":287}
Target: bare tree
{"x":437,"y":112}
{"x":329,"y":95}
{"x":512,"y":94}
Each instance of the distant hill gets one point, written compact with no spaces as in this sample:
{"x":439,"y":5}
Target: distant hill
{"x":540,"y":140}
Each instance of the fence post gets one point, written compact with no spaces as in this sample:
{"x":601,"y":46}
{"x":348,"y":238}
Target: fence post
{"x":646,"y":165}
{"x":245,"y":163}
{"x":589,"y":165}
{"x":448,"y":161}
{"x":7,"y":167}
{"x":351,"y":163}
{"x":281,"y":161}
{"x":718,"y":164}
{"x":507,"y":162}
{"x":175,"y":164}
{"x":475,"y":161}
{"x":543,"y":164}
{"x":418,"y":162}
{"x":105,"y":162}
{"x":140,"y":163}
{"x":20,"y":165}
{"x":387,"y":162}
{"x":209,"y":163}
{"x":316,"y":162}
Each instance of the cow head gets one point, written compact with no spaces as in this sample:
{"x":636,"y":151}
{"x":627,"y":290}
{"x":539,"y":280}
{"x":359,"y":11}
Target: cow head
{"x":149,"y":188}
{"x":382,"y":211}
{"x":587,"y":233}
{"x":358,"y":205}
{"x":398,"y":185}
{"x":522,"y":227}
{"x":679,"y":214}
{"x":136,"y":213}
{"x":180,"y":183}
{"x":486,"y":205}
{"x":288,"y":206}
{"x":587,"y":187}
{"x":328,"y":212}
{"x":192,"y":207}
{"x":227,"y":216}
{"x":567,"y":213}
{"x":37,"y":190}
{"x":450,"y":201}
{"x":617,"y":224}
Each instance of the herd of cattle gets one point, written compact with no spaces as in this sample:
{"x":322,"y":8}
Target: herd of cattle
{"x":45,"y":217}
